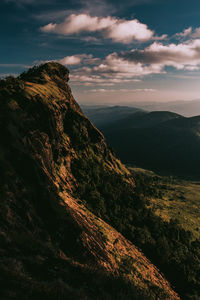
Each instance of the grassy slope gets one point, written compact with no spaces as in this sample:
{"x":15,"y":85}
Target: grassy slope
{"x":175,"y":199}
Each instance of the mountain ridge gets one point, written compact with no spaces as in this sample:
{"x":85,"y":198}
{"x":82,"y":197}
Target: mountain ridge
{"x":144,"y":120}
{"x":101,"y":115}
{"x":52,"y":246}
{"x":162,"y":141}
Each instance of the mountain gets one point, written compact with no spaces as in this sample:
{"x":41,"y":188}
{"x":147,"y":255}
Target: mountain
{"x":142,"y":120}
{"x":186,"y":108}
{"x":162,"y":141}
{"x":54,"y":167}
{"x":104,"y":115}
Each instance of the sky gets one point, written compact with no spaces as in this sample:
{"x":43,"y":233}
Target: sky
{"x":118,"y":52}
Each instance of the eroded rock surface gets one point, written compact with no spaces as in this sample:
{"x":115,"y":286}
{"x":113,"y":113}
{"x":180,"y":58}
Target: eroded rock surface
{"x":51,"y":245}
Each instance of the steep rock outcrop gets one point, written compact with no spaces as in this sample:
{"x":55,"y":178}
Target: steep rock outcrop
{"x":51,"y":245}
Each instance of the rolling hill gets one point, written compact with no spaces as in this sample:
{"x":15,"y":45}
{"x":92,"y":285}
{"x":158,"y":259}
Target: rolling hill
{"x":162,"y":141}
{"x":103,"y":115}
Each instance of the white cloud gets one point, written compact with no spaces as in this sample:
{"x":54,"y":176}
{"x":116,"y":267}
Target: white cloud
{"x":129,"y":66}
{"x":126,"y":31}
{"x":93,"y":80}
{"x":49,"y":28}
{"x":196,"y":33}
{"x":160,"y":38}
{"x":119,"y":30}
{"x":120,"y":67}
{"x":180,"y":56}
{"x":78,"y":59}
{"x":92,"y":7}
{"x":71,"y":60}
{"x":188,"y":33}
{"x":78,"y":23}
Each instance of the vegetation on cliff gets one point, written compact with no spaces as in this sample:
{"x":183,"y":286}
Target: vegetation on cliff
{"x":174,"y":250}
{"x":54,"y":162}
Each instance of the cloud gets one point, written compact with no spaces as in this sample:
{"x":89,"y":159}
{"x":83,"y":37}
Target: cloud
{"x":78,"y":59}
{"x":119,"y":30}
{"x":74,"y":60}
{"x":188,"y":33}
{"x":126,"y":31}
{"x":120,"y":66}
{"x":71,"y":60}
{"x":160,"y":38}
{"x":180,"y":56}
{"x":129,"y":66}
{"x":99,"y":80}
{"x":61,"y":11}
{"x":78,"y":23}
{"x":196,"y":33}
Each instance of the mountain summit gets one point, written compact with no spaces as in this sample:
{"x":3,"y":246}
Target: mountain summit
{"x":52,"y":246}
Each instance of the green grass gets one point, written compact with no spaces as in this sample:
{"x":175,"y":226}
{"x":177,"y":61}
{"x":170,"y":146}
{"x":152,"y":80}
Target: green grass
{"x":174,"y":199}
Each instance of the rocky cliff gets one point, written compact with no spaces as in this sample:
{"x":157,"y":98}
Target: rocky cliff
{"x":51,"y":245}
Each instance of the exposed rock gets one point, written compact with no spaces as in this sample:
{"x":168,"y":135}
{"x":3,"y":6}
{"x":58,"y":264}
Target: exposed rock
{"x":51,"y":245}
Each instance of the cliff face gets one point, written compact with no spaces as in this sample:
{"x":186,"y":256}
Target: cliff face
{"x":51,"y":245}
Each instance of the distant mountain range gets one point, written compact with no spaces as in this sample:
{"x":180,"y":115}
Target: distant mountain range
{"x":161,"y":140}
{"x":186,"y":108}
{"x":103,"y":115}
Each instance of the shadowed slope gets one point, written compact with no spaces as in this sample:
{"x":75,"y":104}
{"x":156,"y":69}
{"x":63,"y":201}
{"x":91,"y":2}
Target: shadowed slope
{"x":161,"y":141}
{"x":52,"y":247}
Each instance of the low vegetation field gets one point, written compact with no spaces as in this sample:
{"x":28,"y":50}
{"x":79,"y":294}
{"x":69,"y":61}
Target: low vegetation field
{"x":171,"y":198}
